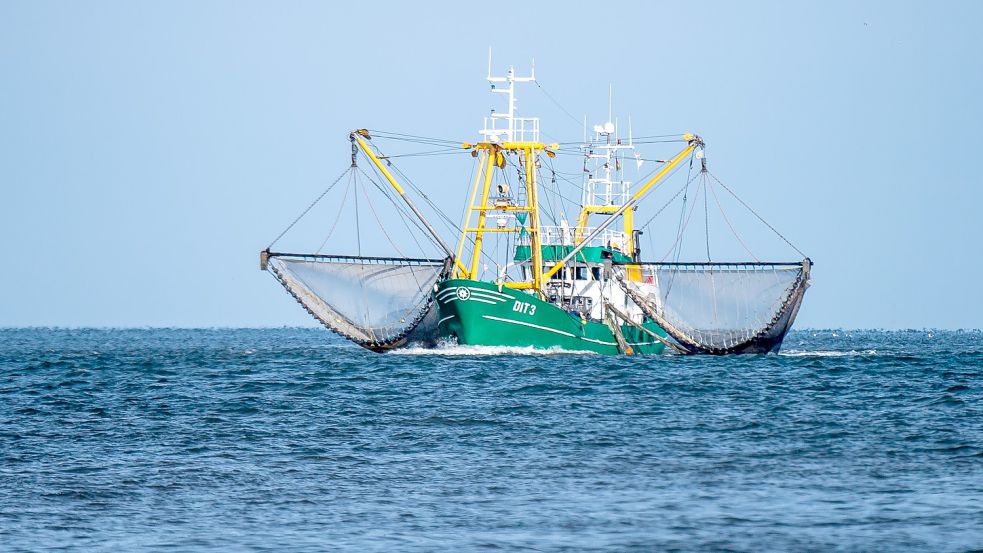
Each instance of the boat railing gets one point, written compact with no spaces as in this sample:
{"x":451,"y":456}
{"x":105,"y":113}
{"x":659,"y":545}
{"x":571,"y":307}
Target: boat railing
{"x":524,"y":129}
{"x":605,"y":192}
{"x":567,"y":236}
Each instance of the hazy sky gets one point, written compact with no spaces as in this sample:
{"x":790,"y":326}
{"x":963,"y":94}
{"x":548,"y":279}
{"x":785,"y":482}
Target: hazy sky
{"x":148,"y":151}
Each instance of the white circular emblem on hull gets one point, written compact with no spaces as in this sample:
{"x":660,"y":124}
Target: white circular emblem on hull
{"x":463,"y":294}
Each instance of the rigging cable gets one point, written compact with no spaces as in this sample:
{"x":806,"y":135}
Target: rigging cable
{"x":358,"y":230}
{"x":412,"y":218}
{"x":341,"y":207}
{"x":310,"y":207}
{"x":706,"y":215}
{"x":400,"y":210}
{"x":729,"y":225}
{"x":412,"y":185}
{"x":413,"y":274}
{"x":381,"y":226}
{"x":557,"y":104}
{"x":405,"y":136}
{"x":428,"y":153}
{"x":466,"y":215}
{"x":549,"y":204}
{"x":664,"y":206}
{"x":568,"y":181}
{"x":756,"y":214}
{"x":443,"y":216}
{"x":677,"y":246}
{"x":682,"y":214}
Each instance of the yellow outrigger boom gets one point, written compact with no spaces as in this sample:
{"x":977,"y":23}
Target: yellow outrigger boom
{"x":358,"y":137}
{"x":693,"y":142}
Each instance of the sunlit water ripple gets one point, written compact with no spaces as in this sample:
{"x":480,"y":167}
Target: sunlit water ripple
{"x":123,"y":440}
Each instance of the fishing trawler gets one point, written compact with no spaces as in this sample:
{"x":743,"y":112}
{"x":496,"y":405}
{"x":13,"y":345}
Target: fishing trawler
{"x":578,"y":287}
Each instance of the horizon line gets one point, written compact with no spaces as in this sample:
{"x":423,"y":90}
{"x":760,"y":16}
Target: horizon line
{"x":318,"y":327}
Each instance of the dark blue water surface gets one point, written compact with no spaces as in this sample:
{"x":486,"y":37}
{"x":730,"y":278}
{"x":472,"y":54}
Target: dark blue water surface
{"x":217,"y":440}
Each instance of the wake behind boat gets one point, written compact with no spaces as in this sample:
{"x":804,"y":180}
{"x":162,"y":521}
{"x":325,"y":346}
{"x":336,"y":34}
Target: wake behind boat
{"x":580,"y":286}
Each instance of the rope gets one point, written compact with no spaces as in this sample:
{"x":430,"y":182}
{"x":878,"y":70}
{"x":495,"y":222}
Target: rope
{"x":706,"y":216}
{"x":443,"y":216}
{"x":466,"y":215}
{"x":663,"y":208}
{"x":682,"y":214}
{"x":419,"y":286}
{"x":568,"y":181}
{"x":337,"y":218}
{"x":443,"y":152}
{"x":410,"y":137}
{"x":729,"y":225}
{"x":310,"y":207}
{"x":379,"y":222}
{"x":447,"y":221}
{"x":557,"y":104}
{"x":756,"y":214}
{"x":406,"y":218}
{"x":549,"y":204}
{"x":684,"y":219}
{"x":398,"y":205}
{"x":358,"y":229}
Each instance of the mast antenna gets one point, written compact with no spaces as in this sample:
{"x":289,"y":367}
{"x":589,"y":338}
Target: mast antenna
{"x":516,"y":128}
{"x":610,"y":99}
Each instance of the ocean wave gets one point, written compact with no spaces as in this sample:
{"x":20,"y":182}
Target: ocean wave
{"x":460,"y":350}
{"x":850,"y":353}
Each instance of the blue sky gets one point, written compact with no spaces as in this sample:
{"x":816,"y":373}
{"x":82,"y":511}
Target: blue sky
{"x":148,"y":151}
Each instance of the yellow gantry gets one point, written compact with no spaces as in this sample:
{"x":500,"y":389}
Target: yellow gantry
{"x":492,"y":156}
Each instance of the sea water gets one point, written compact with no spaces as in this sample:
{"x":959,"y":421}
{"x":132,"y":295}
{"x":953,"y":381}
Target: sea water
{"x":294,"y":440}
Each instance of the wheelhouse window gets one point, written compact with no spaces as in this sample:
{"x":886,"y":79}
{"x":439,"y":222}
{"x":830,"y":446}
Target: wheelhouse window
{"x":585,"y":273}
{"x":562,"y":274}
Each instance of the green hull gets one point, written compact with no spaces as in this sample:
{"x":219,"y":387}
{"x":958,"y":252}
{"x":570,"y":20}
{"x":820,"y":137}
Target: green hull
{"x":481,"y":313}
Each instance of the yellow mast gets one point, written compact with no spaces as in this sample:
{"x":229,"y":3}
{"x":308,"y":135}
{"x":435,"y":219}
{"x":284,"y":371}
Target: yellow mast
{"x":505,"y":135}
{"x":533,"y":195}
{"x":460,"y":271}
{"x":492,"y":156}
